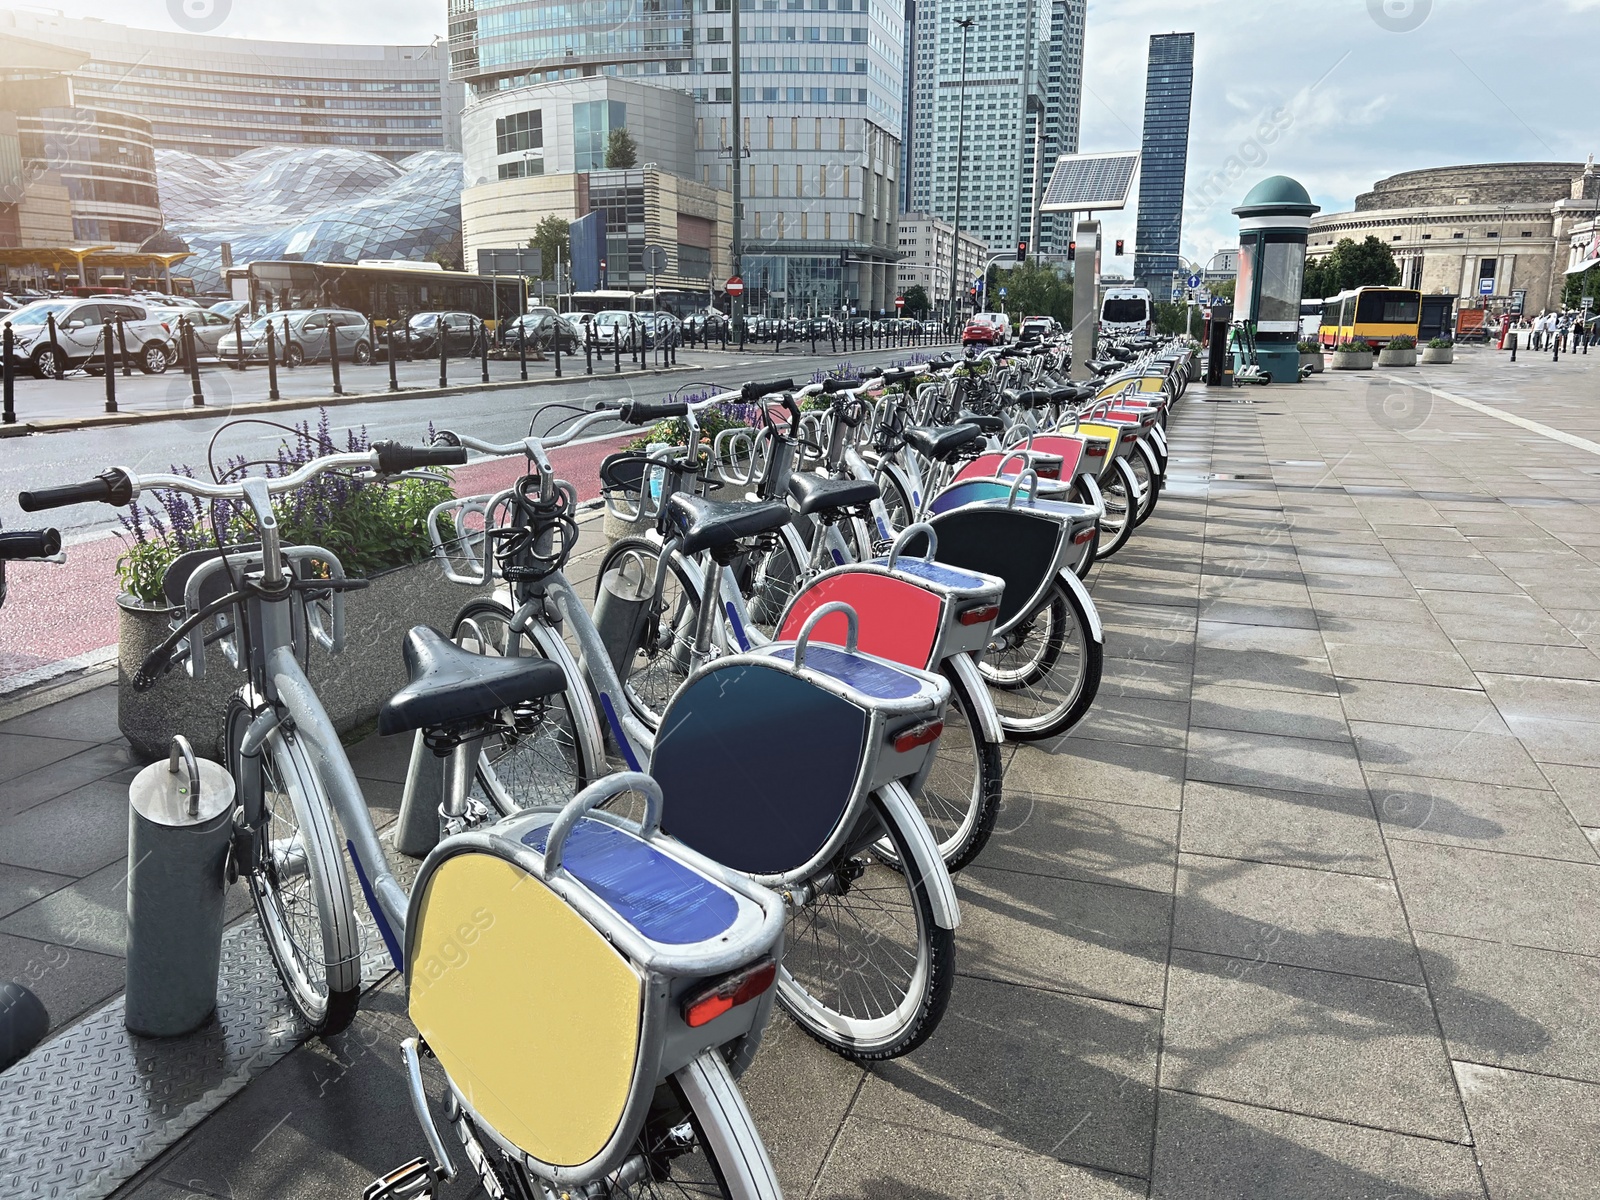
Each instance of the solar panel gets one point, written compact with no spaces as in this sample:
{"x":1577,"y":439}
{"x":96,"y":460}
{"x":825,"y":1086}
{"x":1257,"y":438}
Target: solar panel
{"x":1087,"y":181}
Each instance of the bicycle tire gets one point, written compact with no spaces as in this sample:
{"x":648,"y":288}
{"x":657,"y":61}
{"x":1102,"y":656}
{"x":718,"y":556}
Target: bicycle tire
{"x":770,"y":578}
{"x":927,"y":990}
{"x":659,"y":666}
{"x":961,"y":797}
{"x":688,"y":1167}
{"x":1040,"y":698}
{"x":896,"y":502}
{"x":1116,"y":525}
{"x":536,"y":757}
{"x":321,"y":976}
{"x":1143,"y":464}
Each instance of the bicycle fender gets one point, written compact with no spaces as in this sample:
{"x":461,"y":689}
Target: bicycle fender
{"x":1092,"y":486}
{"x":554,"y":647}
{"x":1071,"y":582}
{"x":966,"y":669}
{"x":899,"y":807}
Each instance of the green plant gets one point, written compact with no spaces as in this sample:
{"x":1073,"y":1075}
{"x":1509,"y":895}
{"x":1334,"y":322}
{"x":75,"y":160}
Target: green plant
{"x":1402,"y":342}
{"x":1440,"y":343}
{"x":675,"y":430}
{"x":370,"y":526}
{"x":1309,"y":347}
{"x":1355,"y":346}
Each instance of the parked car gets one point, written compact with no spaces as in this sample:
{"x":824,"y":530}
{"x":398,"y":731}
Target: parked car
{"x":978,"y":333}
{"x":614,"y":328}
{"x":658,"y":328}
{"x":231,"y":308}
{"x":999,"y":322}
{"x":209,"y":329}
{"x":79,"y":329}
{"x":462,"y":331}
{"x":1038,"y":329}
{"x":541,"y":326}
{"x":705,"y":326}
{"x":306,"y":339}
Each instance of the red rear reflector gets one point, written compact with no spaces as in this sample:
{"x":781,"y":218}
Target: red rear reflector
{"x":1080,"y":538}
{"x":918,"y":735}
{"x":1052,"y":471}
{"x":977,"y":616}
{"x":729,"y":992}
{"x":1096,"y":450}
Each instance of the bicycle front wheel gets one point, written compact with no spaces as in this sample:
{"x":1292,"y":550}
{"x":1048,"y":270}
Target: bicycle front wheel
{"x":698,"y":1141}
{"x":534,"y":756}
{"x":298,"y":887}
{"x":866,"y":969}
{"x":662,"y":656}
{"x":1044,"y":672}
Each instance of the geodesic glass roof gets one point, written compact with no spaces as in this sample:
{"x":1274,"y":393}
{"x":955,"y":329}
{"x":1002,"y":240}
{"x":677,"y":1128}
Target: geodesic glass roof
{"x":319,"y":204}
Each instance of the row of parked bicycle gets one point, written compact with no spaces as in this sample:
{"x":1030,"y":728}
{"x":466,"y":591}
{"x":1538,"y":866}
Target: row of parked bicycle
{"x":805,"y":669}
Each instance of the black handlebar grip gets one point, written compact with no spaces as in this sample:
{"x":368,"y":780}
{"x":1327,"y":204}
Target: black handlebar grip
{"x":393,"y":458}
{"x":110,"y":487}
{"x":830,"y":386}
{"x":30,"y":543}
{"x":638,"y":412}
{"x":751,"y":392}
{"x":899,"y":375}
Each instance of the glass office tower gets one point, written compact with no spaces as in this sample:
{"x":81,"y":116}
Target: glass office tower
{"x":1169,"y":82}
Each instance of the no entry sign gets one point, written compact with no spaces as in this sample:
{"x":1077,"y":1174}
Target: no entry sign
{"x":734,"y":286}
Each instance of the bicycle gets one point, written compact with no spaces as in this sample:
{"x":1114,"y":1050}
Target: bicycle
{"x":667,"y":959}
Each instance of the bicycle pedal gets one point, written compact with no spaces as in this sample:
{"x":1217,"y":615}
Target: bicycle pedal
{"x":414,"y":1181}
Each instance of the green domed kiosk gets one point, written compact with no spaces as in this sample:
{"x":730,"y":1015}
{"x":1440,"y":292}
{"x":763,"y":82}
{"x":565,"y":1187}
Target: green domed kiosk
{"x":1274,"y":222}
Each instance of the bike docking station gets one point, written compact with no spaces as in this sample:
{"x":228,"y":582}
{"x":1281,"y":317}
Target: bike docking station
{"x":1274,"y":224}
{"x":180,"y":823}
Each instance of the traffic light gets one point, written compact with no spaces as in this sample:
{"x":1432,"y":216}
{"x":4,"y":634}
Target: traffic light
{"x":1022,"y":251}
{"x":1119,"y":246}
{"x":1072,"y":251}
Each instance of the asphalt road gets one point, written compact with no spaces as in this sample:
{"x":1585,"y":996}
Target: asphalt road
{"x":500,"y":414}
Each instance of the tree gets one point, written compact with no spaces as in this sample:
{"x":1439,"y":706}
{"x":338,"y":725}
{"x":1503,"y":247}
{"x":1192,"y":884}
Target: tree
{"x":1032,"y":289}
{"x":1585,"y":283}
{"x":1222,"y":289}
{"x":916,"y":298}
{"x":550,"y":239}
{"x":1170,"y":316}
{"x":621,"y":151}
{"x":1351,"y":264}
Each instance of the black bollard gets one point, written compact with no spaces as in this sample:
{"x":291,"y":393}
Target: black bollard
{"x":522,"y":350}
{"x":444,"y":353}
{"x":616,"y":349}
{"x":238,"y":340}
{"x":111,"y":368}
{"x":272,"y":364}
{"x":555,"y":345}
{"x":55,"y":346}
{"x":186,"y":333}
{"x":333,"y":356}
{"x":8,"y":376}
{"x":588,"y":350}
{"x":1513,"y":347}
{"x":122,"y":350}
{"x":483,"y":337}
{"x":388,"y":345}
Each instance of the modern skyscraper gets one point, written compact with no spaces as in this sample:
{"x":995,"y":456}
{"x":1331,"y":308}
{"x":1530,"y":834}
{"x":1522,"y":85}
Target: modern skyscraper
{"x":820,"y":100}
{"x":1008,"y":142}
{"x":1063,"y":104}
{"x":1169,"y":83}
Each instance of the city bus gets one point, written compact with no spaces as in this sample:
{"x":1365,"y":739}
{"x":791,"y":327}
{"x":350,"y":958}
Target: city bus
{"x":1370,"y":314}
{"x":386,"y":292}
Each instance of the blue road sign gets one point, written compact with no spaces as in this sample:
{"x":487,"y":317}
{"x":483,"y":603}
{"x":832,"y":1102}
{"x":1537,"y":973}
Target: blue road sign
{"x":1194,"y":281}
{"x":1486,"y":287}
{"x":1002,"y":292}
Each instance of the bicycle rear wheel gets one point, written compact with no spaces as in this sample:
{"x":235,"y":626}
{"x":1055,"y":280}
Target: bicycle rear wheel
{"x":1143,"y":464}
{"x":535,"y":755}
{"x":961,"y":797}
{"x":1044,"y":672}
{"x":299,"y":889}
{"x":1118,"y":493}
{"x":698,"y":1141}
{"x":660,"y":661}
{"x":866,"y":969}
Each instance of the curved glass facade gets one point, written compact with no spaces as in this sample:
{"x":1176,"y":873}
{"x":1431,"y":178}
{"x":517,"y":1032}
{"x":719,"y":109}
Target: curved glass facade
{"x":106,"y":161}
{"x":322,"y":205}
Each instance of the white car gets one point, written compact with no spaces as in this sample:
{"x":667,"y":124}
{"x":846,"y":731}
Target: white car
{"x":209,"y":327}
{"x":998,"y":321}
{"x":79,"y":337}
{"x":613,"y":327}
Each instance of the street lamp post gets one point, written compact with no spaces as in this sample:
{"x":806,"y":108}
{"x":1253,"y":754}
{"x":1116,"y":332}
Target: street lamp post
{"x":966,"y":24}
{"x":736,"y":308}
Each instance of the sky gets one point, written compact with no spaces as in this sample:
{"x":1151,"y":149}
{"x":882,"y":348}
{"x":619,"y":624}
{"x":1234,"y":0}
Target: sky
{"x":1337,"y":93}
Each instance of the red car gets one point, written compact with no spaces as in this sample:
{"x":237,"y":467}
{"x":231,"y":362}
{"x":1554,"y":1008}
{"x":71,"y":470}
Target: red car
{"x":978,"y":333}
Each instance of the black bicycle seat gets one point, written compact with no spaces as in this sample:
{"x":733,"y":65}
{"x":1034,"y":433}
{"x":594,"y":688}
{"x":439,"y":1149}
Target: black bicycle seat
{"x":711,"y":524}
{"x":815,"y":493}
{"x":1032,"y":398}
{"x":986,"y":422}
{"x":450,"y":686}
{"x":944,"y":441}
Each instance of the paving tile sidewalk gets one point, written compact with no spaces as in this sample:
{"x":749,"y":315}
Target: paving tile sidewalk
{"x":1305,"y":908}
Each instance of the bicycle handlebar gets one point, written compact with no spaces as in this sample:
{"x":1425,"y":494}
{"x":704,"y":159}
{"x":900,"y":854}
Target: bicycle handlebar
{"x":751,"y":392}
{"x":640,"y":412}
{"x":120,"y":486}
{"x":30,"y":543}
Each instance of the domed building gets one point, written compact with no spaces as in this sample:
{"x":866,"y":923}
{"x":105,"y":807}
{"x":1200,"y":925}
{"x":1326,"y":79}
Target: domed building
{"x":1483,"y":233}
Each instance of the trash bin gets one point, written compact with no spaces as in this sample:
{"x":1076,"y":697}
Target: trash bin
{"x":180,"y":819}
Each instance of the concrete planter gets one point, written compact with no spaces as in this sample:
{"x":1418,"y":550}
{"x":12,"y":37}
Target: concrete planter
{"x":352,"y":685}
{"x":1439,"y":354}
{"x":1351,"y":360}
{"x":1391,"y":356}
{"x":1314,"y":361}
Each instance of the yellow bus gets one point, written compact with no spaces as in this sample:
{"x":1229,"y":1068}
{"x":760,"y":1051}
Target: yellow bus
{"x":1370,"y":314}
